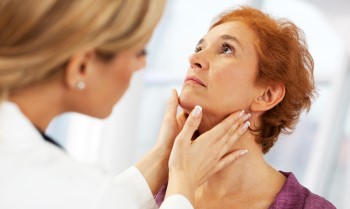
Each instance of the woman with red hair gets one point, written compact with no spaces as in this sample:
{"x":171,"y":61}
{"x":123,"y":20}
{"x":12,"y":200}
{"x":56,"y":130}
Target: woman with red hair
{"x":251,"y":61}
{"x":59,"y":56}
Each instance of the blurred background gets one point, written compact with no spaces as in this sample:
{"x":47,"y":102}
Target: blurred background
{"x":318,"y":152}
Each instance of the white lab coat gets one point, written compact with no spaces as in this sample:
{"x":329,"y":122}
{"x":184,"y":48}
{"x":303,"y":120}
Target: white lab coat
{"x":35,"y":174}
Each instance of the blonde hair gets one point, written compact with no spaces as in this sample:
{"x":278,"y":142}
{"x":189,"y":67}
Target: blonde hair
{"x":38,"y":37}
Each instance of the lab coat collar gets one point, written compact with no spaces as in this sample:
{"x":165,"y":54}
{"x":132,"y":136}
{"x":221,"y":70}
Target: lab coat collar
{"x":14,"y":125}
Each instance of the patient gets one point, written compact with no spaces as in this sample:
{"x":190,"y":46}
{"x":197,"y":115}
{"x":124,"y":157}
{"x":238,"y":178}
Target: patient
{"x":250,"y":61}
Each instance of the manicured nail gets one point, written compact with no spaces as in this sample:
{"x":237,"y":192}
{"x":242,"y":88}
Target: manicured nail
{"x":241,"y":114}
{"x":173,"y":90}
{"x":243,"y":152}
{"x":244,"y":127}
{"x":246,"y":117}
{"x":197,"y":111}
{"x":171,"y":96}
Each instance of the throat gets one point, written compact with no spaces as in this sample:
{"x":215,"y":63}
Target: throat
{"x":245,"y":182}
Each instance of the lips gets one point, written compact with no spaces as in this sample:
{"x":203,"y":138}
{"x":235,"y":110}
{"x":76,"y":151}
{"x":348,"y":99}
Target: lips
{"x":195,"y":80}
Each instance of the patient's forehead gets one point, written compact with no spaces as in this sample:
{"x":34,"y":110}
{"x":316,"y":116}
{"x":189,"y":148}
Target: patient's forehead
{"x":239,"y":30}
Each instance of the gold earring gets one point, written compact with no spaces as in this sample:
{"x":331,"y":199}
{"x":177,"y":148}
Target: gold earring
{"x":80,"y":85}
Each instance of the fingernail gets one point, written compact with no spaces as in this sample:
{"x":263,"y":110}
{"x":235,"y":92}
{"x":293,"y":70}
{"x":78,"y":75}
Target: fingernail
{"x":244,"y":127}
{"x":197,"y":111}
{"x":173,"y":90}
{"x":243,"y":152}
{"x":241,"y":114}
{"x":246,"y":117}
{"x":171,"y":96}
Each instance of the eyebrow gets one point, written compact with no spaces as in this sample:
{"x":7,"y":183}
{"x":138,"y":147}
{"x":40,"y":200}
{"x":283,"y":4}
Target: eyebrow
{"x":224,"y":37}
{"x":200,"y":41}
{"x":231,"y":38}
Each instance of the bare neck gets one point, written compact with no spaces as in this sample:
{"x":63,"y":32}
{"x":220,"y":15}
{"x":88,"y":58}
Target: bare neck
{"x":245,"y":179}
{"x":39,"y":102}
{"x":249,"y":173}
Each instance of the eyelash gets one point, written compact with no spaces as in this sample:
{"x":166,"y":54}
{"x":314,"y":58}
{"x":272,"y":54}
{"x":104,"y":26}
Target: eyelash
{"x":226,"y":45}
{"x":197,"y":49}
{"x":142,"y":53}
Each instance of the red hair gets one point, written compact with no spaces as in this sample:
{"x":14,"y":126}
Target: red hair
{"x":283,"y":57}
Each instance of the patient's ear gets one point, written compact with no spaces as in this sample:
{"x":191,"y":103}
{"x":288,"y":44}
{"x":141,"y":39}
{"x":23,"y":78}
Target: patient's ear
{"x":269,"y":97}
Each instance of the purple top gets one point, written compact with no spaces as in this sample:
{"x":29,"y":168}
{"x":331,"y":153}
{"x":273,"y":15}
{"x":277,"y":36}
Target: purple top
{"x":292,"y":196}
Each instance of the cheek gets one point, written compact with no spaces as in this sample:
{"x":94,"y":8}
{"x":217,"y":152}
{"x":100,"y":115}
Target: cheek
{"x":140,"y":63}
{"x":122,"y":73}
{"x":114,"y":82}
{"x":223,"y":83}
{"x":230,"y":90}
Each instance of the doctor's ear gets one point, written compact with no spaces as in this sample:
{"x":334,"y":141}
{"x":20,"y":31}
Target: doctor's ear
{"x":76,"y":72}
{"x":269,"y":97}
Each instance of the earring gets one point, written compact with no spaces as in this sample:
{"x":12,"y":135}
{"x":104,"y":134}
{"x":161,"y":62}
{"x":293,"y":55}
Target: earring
{"x":80,"y":85}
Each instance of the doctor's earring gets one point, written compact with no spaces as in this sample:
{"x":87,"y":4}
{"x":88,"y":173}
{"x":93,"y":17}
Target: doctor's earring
{"x":80,"y":85}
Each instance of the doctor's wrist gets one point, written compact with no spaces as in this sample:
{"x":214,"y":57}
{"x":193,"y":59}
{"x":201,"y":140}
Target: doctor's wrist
{"x":179,"y":184}
{"x":154,"y":168}
{"x":161,"y":155}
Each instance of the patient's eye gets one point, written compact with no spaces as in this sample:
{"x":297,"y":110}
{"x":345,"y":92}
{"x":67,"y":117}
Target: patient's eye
{"x":197,"y":49}
{"x":227,"y":49}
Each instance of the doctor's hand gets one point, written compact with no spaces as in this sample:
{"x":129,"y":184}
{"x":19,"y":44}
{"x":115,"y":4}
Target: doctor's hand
{"x":171,"y":126}
{"x":191,"y":163}
{"x":154,"y":166}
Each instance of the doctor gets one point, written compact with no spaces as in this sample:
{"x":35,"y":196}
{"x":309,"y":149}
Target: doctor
{"x":59,"y":56}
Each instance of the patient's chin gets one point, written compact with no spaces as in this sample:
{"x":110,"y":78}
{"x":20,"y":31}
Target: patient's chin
{"x":187,"y":104}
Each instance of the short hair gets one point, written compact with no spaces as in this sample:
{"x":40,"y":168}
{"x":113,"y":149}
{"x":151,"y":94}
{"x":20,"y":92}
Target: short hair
{"x":38,"y":37}
{"x":283,"y":57}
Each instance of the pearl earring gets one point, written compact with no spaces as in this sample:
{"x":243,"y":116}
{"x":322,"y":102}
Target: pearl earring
{"x":80,"y":85}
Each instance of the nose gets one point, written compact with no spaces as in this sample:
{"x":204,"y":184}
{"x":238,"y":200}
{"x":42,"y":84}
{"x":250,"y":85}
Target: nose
{"x":198,"y":61}
{"x":140,"y":63}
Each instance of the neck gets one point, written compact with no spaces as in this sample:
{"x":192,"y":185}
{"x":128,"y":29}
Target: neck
{"x":249,"y":176}
{"x":245,"y":174}
{"x":40,"y":103}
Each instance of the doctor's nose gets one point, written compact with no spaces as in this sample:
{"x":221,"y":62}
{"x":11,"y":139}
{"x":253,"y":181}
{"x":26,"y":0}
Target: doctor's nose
{"x":198,"y":62}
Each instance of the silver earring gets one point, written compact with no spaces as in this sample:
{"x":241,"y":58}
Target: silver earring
{"x":80,"y":85}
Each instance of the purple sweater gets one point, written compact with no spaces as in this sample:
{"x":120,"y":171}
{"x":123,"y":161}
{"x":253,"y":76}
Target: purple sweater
{"x":292,"y":196}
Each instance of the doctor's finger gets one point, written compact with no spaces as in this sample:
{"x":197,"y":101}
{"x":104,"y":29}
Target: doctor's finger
{"x":191,"y":124}
{"x":171,"y":108}
{"x":234,"y":130}
{"x":221,"y":132}
{"x":181,"y":119}
{"x":238,"y":133}
{"x":228,"y":159}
